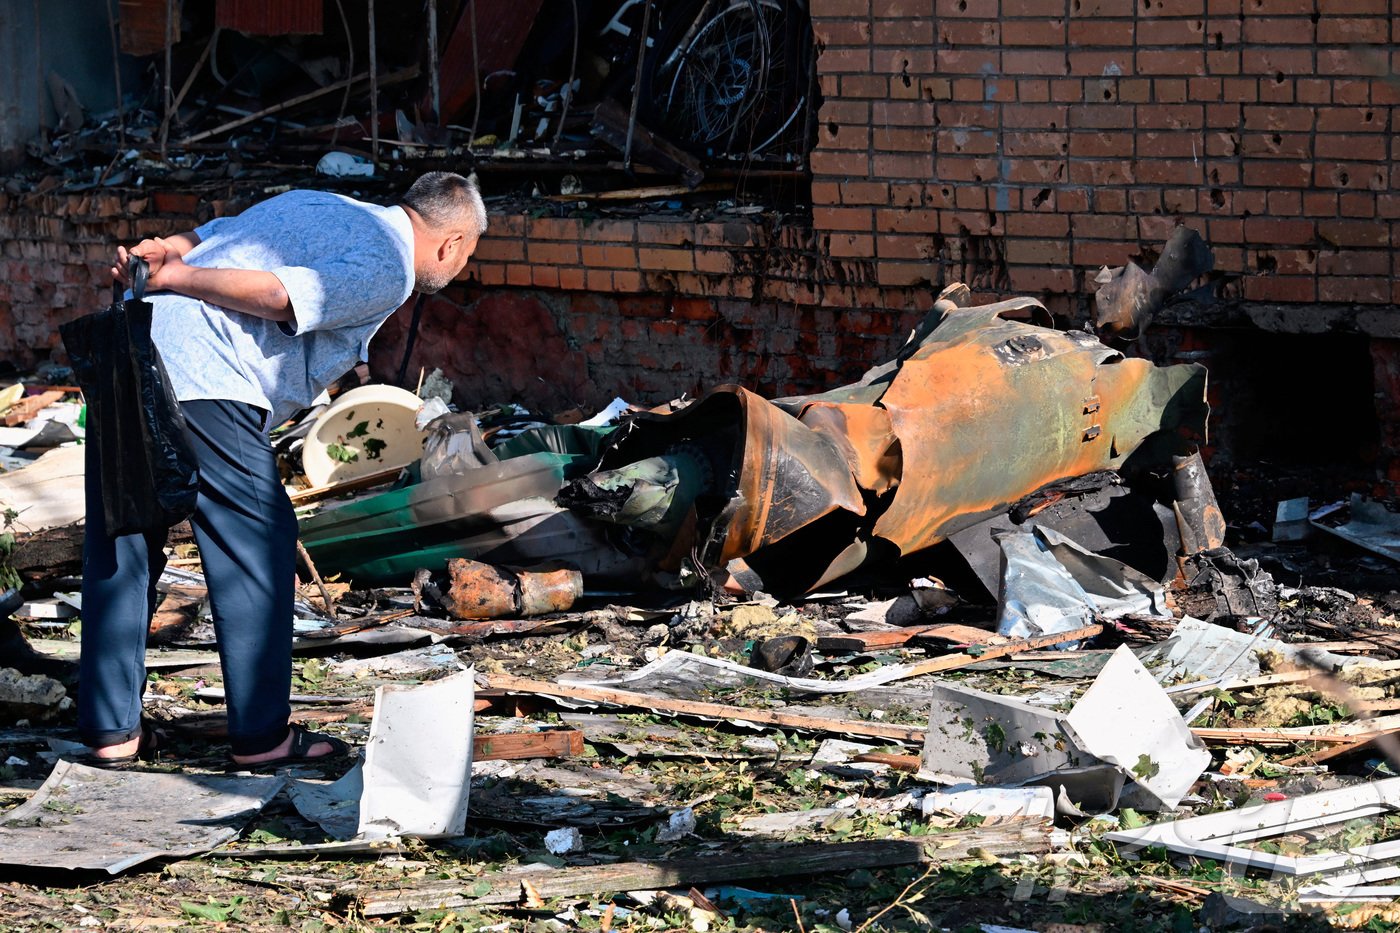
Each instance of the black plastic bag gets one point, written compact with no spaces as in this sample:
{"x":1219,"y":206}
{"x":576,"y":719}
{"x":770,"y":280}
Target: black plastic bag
{"x":134,"y":424}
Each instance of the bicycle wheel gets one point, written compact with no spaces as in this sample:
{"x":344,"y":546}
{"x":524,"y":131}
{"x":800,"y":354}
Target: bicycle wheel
{"x":737,"y":78}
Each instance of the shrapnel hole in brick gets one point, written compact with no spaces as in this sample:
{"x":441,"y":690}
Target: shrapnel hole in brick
{"x":1217,"y":197}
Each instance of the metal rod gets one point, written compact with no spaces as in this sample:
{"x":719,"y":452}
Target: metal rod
{"x":169,"y":92}
{"x":349,"y":70}
{"x":117,"y":73}
{"x":637,"y":85}
{"x":194,"y":72}
{"x":393,"y":78}
{"x":373,"y":89}
{"x":39,"y":80}
{"x":476,"y":77}
{"x":568,"y":96}
{"x":434,"y":79}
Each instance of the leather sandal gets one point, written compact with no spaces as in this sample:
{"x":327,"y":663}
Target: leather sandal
{"x":151,"y":743}
{"x":303,"y":739}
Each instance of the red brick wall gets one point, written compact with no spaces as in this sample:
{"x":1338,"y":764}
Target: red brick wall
{"x":1024,"y":143}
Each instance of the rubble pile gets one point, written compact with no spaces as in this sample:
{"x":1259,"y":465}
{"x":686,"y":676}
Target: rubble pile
{"x":977,"y":618}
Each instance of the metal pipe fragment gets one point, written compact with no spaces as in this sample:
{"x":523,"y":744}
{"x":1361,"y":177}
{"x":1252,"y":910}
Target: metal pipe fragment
{"x":1198,"y":514}
{"x":485,"y":591}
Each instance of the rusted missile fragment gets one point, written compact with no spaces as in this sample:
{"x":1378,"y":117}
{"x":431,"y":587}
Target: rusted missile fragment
{"x":990,"y":410}
{"x":485,"y":591}
{"x":1198,"y":513}
{"x":542,"y":592}
{"x":1128,"y":298}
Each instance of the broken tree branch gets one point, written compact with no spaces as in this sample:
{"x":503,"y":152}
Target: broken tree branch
{"x":789,"y":861}
{"x":326,"y":597}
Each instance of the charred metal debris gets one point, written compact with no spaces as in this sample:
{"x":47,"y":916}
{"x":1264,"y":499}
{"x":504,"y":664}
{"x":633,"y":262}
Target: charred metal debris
{"x":978,"y":611}
{"x":595,"y":102}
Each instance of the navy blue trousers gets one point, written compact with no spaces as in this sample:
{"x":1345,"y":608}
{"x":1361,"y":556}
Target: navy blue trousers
{"x":247,"y":533}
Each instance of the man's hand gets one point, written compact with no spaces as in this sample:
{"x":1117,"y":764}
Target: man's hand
{"x":159,"y":253}
{"x":260,"y":294}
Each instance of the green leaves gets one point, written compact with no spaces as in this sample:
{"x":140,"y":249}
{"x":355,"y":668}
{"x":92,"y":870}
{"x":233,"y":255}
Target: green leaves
{"x":214,"y":910}
{"x":342,"y":454}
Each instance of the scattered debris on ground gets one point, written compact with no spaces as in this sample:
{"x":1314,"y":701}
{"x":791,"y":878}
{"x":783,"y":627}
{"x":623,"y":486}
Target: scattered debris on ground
{"x":988,"y":658}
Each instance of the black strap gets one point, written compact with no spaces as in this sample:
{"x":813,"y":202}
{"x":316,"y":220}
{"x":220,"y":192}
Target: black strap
{"x":138,"y":270}
{"x":412,"y":338}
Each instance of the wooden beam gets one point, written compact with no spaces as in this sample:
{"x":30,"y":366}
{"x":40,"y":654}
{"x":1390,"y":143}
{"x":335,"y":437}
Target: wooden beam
{"x":1269,"y":737}
{"x":866,"y":641}
{"x":512,"y":746}
{"x":641,"y":194}
{"x":611,"y":125}
{"x":789,"y":861}
{"x":610,"y":697}
{"x":403,"y":74}
{"x":29,"y":406}
{"x":1337,"y":751}
{"x":987,"y":652}
{"x":368,"y":481}
{"x":910,"y":763}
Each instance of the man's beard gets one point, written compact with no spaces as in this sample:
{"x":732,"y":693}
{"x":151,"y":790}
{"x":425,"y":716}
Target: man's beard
{"x":431,"y":283}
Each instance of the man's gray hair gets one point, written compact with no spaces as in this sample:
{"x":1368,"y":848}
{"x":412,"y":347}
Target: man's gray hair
{"x":446,"y":199}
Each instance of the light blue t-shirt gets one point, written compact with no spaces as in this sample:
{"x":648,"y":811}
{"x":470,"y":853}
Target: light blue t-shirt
{"x":346,"y":266}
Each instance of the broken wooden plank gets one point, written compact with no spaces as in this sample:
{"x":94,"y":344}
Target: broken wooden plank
{"x":988,"y":652}
{"x":369,"y":481}
{"x":1268,"y":737}
{"x":897,"y":762}
{"x":1337,"y":751}
{"x":661,"y":704}
{"x":610,"y":124}
{"x":403,"y":74}
{"x":512,"y":746}
{"x":867,"y":641}
{"x":640,"y":194}
{"x":818,"y":858}
{"x":29,"y":406}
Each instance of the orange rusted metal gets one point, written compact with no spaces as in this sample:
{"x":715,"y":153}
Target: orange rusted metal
{"x":544,"y":591}
{"x":772,"y":475}
{"x":864,"y":436}
{"x":485,"y":591}
{"x":1003,"y":408}
{"x":975,"y":413}
{"x":1198,"y":514}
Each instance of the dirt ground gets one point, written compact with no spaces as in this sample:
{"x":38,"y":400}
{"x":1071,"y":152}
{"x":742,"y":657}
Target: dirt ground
{"x":639,"y":767}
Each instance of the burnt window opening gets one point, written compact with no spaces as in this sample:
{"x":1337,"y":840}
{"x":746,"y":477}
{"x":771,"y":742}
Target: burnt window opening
{"x":714,"y":93}
{"x":1300,"y":400}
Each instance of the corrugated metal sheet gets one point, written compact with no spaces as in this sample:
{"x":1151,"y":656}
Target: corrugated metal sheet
{"x":271,"y":17}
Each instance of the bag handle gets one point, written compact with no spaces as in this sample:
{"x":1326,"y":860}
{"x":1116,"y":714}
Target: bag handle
{"x":138,"y":271}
